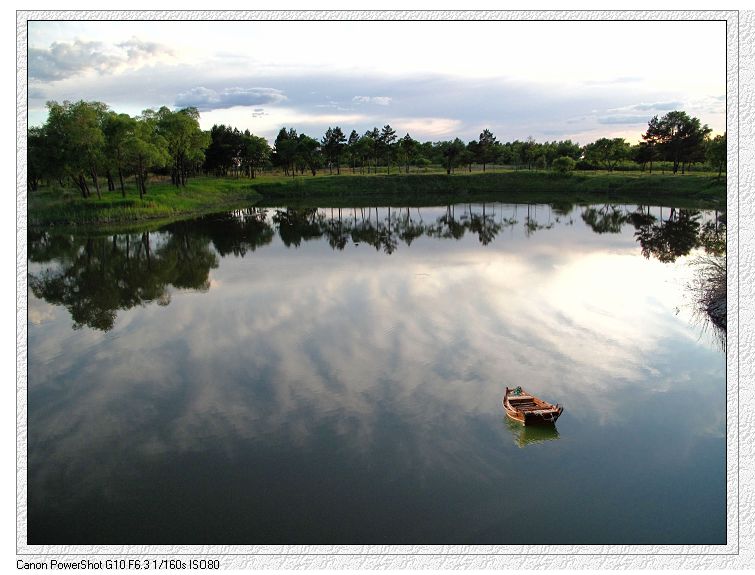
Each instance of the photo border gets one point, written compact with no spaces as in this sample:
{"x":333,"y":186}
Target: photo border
{"x":739,"y":27}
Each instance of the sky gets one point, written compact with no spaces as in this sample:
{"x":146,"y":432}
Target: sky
{"x":436,"y":80}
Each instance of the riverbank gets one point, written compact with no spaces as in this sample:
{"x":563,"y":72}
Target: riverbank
{"x":207,"y":195}
{"x":690,"y":190}
{"x":163,"y":202}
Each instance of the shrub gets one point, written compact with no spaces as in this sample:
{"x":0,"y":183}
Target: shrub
{"x":564,"y":164}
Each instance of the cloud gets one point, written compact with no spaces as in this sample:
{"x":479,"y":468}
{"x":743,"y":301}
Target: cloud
{"x":627,"y":114}
{"x":618,"y":80}
{"x":137,"y":50}
{"x":323,"y":120}
{"x":430,"y":106}
{"x":622,"y":119}
{"x":35,"y":92}
{"x":66,"y":59}
{"x":562,"y":132}
{"x":674,"y":105}
{"x":205,"y":99}
{"x":708,"y":104}
{"x":379,"y":100}
{"x":647,"y":107}
{"x":428,"y":127}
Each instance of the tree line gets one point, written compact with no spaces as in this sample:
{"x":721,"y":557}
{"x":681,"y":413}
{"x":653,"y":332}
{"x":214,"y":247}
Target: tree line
{"x":87,"y":145}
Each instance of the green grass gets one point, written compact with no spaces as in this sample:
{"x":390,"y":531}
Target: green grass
{"x":690,"y":190}
{"x":165,"y":202}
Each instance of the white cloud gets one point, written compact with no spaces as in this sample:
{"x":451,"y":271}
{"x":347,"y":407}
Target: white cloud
{"x":427,"y":127}
{"x":674,"y":105}
{"x":268,"y":122}
{"x":379,"y":100}
{"x":613,"y":81}
{"x":64,"y":59}
{"x":67,"y":59}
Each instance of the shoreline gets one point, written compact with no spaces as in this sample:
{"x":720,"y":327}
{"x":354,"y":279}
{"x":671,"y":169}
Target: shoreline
{"x":207,"y":195}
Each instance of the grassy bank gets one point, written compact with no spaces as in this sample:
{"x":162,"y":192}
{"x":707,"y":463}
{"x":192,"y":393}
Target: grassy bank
{"x":690,"y":190}
{"x":163,"y":202}
{"x":205,"y":195}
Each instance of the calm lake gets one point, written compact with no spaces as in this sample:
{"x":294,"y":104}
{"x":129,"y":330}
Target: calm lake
{"x":334,"y":376}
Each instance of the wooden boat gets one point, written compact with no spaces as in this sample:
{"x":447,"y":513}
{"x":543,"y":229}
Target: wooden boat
{"x":528,"y":409}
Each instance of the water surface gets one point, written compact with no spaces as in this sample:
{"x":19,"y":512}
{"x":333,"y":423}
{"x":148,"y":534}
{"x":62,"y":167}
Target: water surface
{"x":314,"y":376}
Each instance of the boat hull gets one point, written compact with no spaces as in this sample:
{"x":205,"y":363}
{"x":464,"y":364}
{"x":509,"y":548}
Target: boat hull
{"x":542,"y":414}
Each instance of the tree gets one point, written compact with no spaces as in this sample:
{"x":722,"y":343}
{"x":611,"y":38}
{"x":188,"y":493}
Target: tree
{"x":144,"y":148}
{"x":308,"y":154}
{"x":468,"y":155}
{"x":679,"y":137}
{"x":255,"y":153}
{"x":514,"y":151}
{"x":529,"y":151}
{"x":653,"y":138}
{"x":472,"y":153}
{"x":224,"y":152}
{"x":452,"y":153}
{"x":407,"y":150}
{"x":117,"y":128}
{"x":643,"y":153}
{"x":568,"y":148}
{"x":76,"y":129}
{"x":607,"y":152}
{"x":186,"y":141}
{"x":351,"y":148}
{"x":386,"y":139}
{"x":37,"y":147}
{"x":361,"y":151}
{"x":486,"y":149}
{"x":373,"y":139}
{"x":340,"y":145}
{"x":332,"y":146}
{"x":715,"y":152}
{"x":284,"y":152}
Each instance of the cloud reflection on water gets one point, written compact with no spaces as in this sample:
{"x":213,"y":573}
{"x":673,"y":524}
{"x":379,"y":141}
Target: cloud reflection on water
{"x":417,"y":347}
{"x":328,"y":335}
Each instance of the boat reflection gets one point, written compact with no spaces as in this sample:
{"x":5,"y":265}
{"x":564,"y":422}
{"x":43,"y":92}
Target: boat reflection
{"x":525,"y":435}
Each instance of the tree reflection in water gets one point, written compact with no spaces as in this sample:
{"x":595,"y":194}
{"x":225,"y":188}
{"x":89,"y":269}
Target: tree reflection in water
{"x":606,"y":219}
{"x":237,"y":232}
{"x":95,"y":276}
{"x":669,"y":239}
{"x":679,"y":234}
